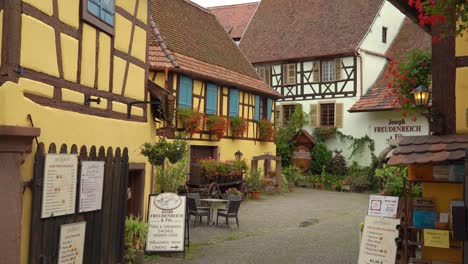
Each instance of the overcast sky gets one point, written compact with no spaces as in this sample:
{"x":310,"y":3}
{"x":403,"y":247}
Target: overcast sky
{"x":207,"y":3}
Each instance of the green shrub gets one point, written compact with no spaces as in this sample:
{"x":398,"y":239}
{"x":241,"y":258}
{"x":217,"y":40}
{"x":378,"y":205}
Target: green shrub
{"x":136,"y":232}
{"x":284,"y":184}
{"x":358,"y":177}
{"x":321,"y":156}
{"x":392,"y":180}
{"x":170,"y":177}
{"x":293,"y":174}
{"x":255,"y":180}
{"x":338,"y":164}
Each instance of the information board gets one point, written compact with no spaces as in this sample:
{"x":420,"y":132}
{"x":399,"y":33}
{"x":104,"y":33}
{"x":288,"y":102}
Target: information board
{"x":166,"y":223}
{"x":378,"y":241}
{"x":385,"y":206}
{"x":91,"y":186}
{"x":59,"y":188}
{"x":71,"y":247}
{"x":436,"y":238}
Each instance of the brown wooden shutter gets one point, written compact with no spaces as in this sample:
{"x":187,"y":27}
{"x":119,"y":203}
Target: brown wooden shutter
{"x":279,"y":116}
{"x":337,"y":69}
{"x":339,"y":115}
{"x":284,"y":74}
{"x":291,"y":73}
{"x":314,"y":115}
{"x":316,"y":71}
{"x":268,"y":75}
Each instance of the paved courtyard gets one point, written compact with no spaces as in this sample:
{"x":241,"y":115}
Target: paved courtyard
{"x":305,"y":226}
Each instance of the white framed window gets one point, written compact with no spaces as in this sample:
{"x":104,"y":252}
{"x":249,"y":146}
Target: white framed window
{"x":328,"y":71}
{"x":289,"y":74}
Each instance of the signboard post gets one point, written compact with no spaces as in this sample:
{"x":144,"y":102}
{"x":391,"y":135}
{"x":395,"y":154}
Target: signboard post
{"x":91,"y":186}
{"x":378,"y":241}
{"x":59,"y":189}
{"x":167,"y":224}
{"x":71,"y":245}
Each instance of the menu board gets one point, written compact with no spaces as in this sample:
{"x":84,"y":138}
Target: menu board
{"x":378,"y":241}
{"x":385,"y":206}
{"x":59,"y":189}
{"x":166,"y":223}
{"x":91,"y":186}
{"x":71,"y":245}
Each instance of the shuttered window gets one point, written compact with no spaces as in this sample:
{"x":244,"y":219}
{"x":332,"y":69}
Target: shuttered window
{"x":288,"y":111}
{"x":289,"y":74}
{"x":185,"y":93}
{"x":211,"y":99}
{"x":326,"y":115}
{"x":265,"y":74}
{"x":102,"y":9}
{"x":257,"y":108}
{"x":328,"y":71}
{"x":233,"y":102}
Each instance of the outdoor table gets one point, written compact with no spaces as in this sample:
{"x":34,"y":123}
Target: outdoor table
{"x":213,"y":202}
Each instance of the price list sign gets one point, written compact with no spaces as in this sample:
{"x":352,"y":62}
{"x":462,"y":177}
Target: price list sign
{"x":378,"y":241}
{"x":91,"y":186}
{"x":71,"y":247}
{"x":166,"y":223}
{"x":59,"y":189}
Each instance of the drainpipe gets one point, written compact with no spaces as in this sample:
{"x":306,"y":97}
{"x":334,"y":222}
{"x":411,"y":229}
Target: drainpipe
{"x":356,"y":53}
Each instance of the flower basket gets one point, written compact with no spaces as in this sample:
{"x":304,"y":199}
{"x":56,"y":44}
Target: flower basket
{"x":265,"y":130}
{"x":158,"y":151}
{"x":238,"y":126}
{"x":216,"y":125}
{"x":191,"y":120}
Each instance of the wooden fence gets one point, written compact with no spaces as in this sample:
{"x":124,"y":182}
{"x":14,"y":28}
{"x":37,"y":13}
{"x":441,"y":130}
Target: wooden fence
{"x":104,"y":237}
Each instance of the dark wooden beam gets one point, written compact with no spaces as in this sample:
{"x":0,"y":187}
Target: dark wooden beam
{"x":462,"y":61}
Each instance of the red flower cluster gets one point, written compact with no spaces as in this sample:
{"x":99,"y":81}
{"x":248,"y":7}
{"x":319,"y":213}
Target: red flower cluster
{"x":217,"y":126}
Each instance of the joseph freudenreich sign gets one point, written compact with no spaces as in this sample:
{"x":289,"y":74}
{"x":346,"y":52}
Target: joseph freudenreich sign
{"x":166,"y":223}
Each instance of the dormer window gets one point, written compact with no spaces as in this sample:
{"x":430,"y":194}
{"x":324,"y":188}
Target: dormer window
{"x":384,"y":34}
{"x":100,"y":13}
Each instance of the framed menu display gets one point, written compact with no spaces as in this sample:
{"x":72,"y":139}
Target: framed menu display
{"x":71,"y":244}
{"x":378,"y":241}
{"x":59,"y":188}
{"x":91,"y":186}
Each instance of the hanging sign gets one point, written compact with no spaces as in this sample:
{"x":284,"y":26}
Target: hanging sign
{"x":59,"y":188}
{"x":166,"y":223}
{"x":436,"y":238}
{"x":91,"y":186}
{"x":378,"y":241}
{"x":385,"y":206}
{"x":71,"y":245}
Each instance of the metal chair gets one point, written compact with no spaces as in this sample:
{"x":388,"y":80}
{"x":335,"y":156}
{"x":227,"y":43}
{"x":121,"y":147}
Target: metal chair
{"x":196,"y":196}
{"x":231,"y":212}
{"x":193,"y":210}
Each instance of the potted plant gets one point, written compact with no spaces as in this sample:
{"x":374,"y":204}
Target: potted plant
{"x":265,"y":130}
{"x":216,"y":125}
{"x":233,"y":194}
{"x":268,"y":185}
{"x":170,"y":177}
{"x":255,"y":183}
{"x":191,"y":120}
{"x":238,"y":126}
{"x":135,"y":237}
{"x":237,"y":169}
{"x":158,"y":151}
{"x":293,"y":175}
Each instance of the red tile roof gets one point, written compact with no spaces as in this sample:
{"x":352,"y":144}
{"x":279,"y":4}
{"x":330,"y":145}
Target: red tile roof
{"x":293,"y":29}
{"x":195,"y":43}
{"x":430,"y":149}
{"x":234,"y":18}
{"x":410,"y":37}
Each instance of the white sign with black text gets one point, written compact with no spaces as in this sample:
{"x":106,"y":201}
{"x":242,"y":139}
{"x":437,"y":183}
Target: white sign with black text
{"x":91,"y":186}
{"x":59,"y":188}
{"x":384,"y":206}
{"x":71,"y":245}
{"x":378,"y":241}
{"x":166,"y":223}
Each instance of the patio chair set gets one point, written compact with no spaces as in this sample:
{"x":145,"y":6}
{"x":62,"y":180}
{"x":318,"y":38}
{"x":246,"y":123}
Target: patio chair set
{"x":229,"y":211}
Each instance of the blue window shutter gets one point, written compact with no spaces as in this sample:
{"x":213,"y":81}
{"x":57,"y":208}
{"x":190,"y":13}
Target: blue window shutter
{"x":268,"y":109}
{"x":257,"y":108}
{"x":233,"y":102}
{"x":211,"y":99}
{"x":185,"y":93}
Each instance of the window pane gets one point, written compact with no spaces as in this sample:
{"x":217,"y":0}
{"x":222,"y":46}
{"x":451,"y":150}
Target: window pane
{"x":94,"y":8}
{"x":108,"y":5}
{"x":108,"y":18}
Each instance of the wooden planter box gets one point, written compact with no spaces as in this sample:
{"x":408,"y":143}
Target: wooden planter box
{"x":420,"y":172}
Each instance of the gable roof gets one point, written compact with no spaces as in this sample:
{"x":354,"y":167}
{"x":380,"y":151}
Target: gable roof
{"x":410,"y":37}
{"x":293,"y":29}
{"x":234,"y":18}
{"x":195,"y":43}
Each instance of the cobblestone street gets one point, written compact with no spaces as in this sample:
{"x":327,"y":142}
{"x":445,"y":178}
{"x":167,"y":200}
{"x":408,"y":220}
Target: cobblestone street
{"x":306,"y":226}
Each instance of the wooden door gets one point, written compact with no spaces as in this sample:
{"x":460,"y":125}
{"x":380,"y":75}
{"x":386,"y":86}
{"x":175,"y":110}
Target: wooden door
{"x":196,"y":154}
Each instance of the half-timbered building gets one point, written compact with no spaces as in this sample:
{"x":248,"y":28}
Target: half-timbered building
{"x":324,"y":55}
{"x":196,"y":62}
{"x":69,"y":69}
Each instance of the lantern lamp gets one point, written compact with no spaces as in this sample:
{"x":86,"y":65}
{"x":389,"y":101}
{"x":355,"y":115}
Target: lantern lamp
{"x":421,"y":95}
{"x":238,"y":155}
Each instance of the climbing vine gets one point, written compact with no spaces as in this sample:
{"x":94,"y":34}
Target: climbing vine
{"x":357,"y":144}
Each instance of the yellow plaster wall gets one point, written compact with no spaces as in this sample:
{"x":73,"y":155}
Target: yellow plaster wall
{"x":461,"y":90}
{"x":134,"y":88}
{"x":43,"y":5}
{"x":119,"y":71}
{"x":139,"y":44}
{"x":104,"y":57}
{"x":88,"y":55}
{"x":123,"y":29}
{"x":128,"y":5}
{"x":160,"y":79}
{"x":462,"y":45}
{"x":58,"y":126}
{"x":142,"y":14}
{"x":69,"y":12}
{"x":120,"y":107}
{"x":69,"y":57}
{"x":37,"y":88}
{"x":72,"y":96}
{"x":443,"y":194}
{"x":38,"y":50}
{"x":102,"y":105}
